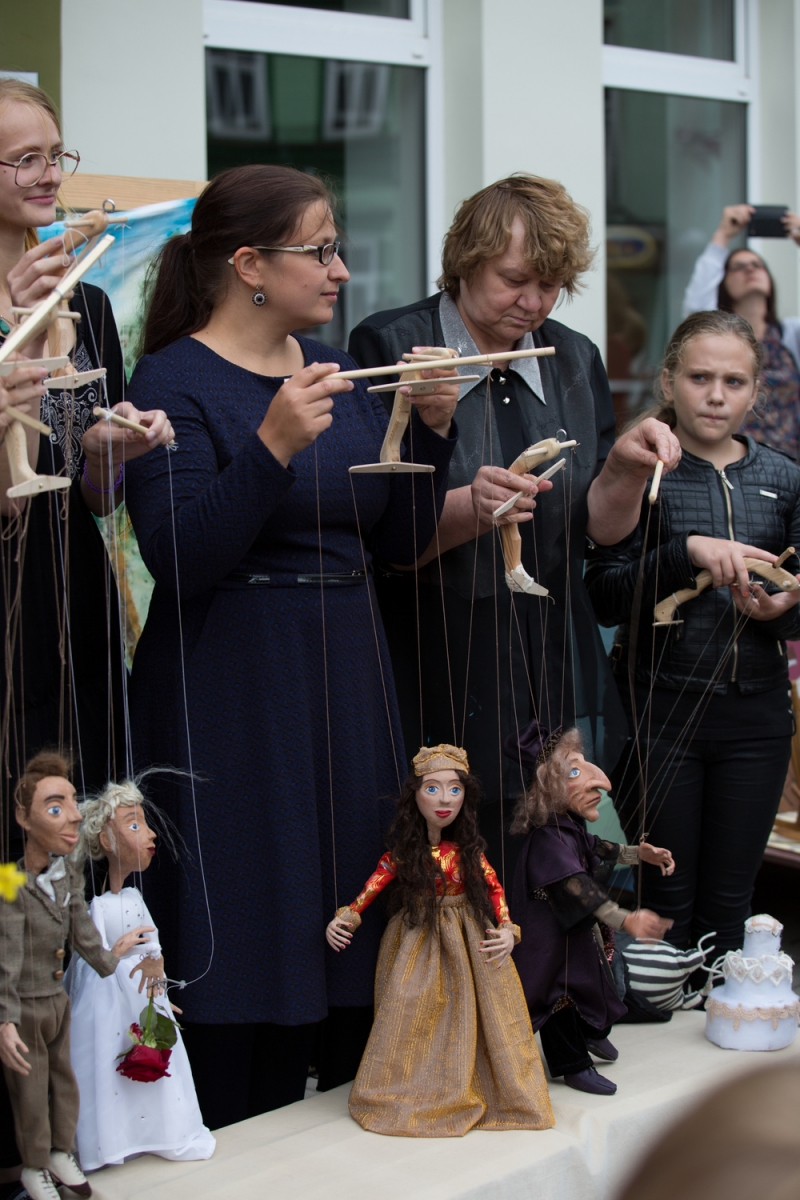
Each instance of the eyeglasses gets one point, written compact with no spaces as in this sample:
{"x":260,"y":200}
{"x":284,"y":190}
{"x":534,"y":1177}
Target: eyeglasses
{"x":747,"y":265}
{"x":326,"y":254}
{"x":31,"y":167}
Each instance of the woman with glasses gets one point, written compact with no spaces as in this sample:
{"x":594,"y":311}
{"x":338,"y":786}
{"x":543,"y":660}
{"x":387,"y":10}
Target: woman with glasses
{"x":262,"y":669}
{"x":63,"y":692}
{"x":739,"y":281}
{"x":62,"y":657}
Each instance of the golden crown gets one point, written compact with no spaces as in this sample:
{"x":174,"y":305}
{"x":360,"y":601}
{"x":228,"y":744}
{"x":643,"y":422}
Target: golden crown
{"x":440,"y":758}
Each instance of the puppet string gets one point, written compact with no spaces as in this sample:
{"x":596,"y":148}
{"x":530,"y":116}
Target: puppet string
{"x":376,"y":639}
{"x":188,"y":731}
{"x":325,"y":679}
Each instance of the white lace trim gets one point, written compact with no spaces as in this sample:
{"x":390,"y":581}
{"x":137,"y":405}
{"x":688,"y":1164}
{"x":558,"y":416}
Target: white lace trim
{"x":737,"y":1014}
{"x":772,"y":968}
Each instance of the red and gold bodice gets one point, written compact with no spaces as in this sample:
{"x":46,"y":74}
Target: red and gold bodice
{"x":449,"y":859}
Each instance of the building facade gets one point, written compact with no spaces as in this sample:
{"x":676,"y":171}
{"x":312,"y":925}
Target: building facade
{"x":653,"y":113}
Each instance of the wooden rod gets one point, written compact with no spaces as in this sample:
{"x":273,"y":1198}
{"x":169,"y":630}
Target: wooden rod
{"x":656,"y":481}
{"x":443,"y":364}
{"x":62,"y":316}
{"x":31,"y":422}
{"x":116,"y":419}
{"x":786,"y":554}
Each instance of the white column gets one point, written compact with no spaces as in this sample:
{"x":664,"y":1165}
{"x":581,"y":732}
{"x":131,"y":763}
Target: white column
{"x":133,"y":86}
{"x":542,"y":103}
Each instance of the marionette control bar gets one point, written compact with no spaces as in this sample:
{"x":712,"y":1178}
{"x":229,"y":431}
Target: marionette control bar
{"x":443,"y":364}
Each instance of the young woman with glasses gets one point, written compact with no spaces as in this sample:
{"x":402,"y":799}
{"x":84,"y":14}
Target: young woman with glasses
{"x":262,"y":668}
{"x":62,"y":657}
{"x":739,"y":281}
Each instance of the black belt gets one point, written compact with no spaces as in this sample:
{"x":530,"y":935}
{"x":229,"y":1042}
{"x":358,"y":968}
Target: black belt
{"x":281,"y":579}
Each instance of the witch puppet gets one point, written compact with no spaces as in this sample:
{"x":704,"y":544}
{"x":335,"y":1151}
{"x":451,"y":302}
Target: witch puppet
{"x":451,"y":1048}
{"x":565,"y":912}
{"x":136,"y":1086}
{"x":49,"y":911}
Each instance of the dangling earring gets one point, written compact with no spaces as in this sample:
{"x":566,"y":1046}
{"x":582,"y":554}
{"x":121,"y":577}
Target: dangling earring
{"x":258,"y":297}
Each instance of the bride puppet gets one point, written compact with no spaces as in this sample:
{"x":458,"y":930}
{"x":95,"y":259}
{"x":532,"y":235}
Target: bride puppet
{"x":451,"y":1048}
{"x":121,"y":1116}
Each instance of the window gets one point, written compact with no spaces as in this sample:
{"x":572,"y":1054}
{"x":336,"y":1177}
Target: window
{"x":672,"y":162}
{"x":681,"y":142}
{"x":704,"y":28}
{"x":375,"y":8}
{"x":361,"y":126}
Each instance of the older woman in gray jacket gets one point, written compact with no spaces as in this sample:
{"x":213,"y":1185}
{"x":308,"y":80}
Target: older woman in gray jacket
{"x":489,"y":661}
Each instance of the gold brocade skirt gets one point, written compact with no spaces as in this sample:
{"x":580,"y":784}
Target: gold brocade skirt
{"x":452,"y":1047}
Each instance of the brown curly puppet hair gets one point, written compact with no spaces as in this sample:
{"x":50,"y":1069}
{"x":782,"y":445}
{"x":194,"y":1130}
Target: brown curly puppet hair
{"x":547,"y":791}
{"x":414,"y":890}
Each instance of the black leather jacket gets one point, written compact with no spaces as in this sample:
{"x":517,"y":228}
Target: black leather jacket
{"x":756,"y":501}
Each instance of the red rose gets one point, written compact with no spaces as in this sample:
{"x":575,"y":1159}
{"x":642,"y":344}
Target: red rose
{"x":136,"y":1030}
{"x":145,"y":1064}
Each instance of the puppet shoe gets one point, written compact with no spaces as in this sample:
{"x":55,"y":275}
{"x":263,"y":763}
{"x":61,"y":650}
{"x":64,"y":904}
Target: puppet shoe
{"x":602,"y":1048}
{"x":591,"y":1081}
{"x":39,"y":1184}
{"x":65,"y":1170}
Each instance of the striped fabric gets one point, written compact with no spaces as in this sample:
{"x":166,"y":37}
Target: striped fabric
{"x":658,"y":971}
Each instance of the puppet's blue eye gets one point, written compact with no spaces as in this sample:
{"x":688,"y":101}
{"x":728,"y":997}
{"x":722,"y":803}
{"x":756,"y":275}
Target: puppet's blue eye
{"x":135,"y":826}
{"x":54,"y":810}
{"x":431,"y":789}
{"x":575,"y":772}
{"x":455,"y":791}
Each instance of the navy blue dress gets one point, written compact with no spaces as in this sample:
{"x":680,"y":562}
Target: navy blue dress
{"x":287,"y":685}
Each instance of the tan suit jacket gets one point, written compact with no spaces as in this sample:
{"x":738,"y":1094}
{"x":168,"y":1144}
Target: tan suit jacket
{"x":34,"y":931}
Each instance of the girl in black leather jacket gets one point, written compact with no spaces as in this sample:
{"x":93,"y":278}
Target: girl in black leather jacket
{"x":711,"y":697}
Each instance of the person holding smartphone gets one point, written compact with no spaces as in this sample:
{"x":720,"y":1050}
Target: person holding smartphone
{"x":739,"y":281}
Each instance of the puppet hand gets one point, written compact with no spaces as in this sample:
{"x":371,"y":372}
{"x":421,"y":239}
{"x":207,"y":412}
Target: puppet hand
{"x":724,"y":559}
{"x":152,"y":976}
{"x":657,"y":856}
{"x":129,"y":940}
{"x":21,"y":389}
{"x":339,"y":934}
{"x":637,"y":451}
{"x":757,"y":604}
{"x":10,"y":1046}
{"x":499,"y":944}
{"x":493,"y":486}
{"x":104,"y":439}
{"x":646,"y":925}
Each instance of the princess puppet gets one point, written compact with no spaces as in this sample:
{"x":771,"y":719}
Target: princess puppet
{"x":452,"y":1047}
{"x":122,"y":1115}
{"x":568,"y":916}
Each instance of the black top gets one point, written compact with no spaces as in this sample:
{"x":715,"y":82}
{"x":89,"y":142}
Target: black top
{"x":59,"y":656}
{"x":756,"y":501}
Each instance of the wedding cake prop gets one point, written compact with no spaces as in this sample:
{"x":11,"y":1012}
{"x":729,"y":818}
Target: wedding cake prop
{"x":755,"y":1008}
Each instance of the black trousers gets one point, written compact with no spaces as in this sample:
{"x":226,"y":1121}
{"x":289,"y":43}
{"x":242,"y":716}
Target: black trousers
{"x":713,"y":806}
{"x":564,"y":1036}
{"x":243,"y":1070}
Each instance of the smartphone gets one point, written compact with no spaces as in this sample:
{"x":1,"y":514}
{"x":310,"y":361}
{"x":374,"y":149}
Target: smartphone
{"x":766,"y":221}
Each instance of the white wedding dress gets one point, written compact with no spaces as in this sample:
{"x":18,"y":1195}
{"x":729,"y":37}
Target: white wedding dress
{"x":120,"y":1117}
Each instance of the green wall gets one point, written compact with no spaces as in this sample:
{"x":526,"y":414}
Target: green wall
{"x":30,"y":40}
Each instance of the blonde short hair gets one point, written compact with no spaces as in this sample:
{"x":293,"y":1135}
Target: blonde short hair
{"x":556,"y":232}
{"x":98,"y":811}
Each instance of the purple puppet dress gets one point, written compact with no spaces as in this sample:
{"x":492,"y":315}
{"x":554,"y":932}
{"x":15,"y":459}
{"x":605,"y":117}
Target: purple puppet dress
{"x":566,"y":918}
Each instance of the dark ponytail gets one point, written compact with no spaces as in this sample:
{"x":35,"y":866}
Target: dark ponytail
{"x":246,"y":206}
